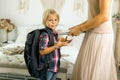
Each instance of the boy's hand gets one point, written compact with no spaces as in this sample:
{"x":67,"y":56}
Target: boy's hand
{"x":63,"y":42}
{"x":66,"y":39}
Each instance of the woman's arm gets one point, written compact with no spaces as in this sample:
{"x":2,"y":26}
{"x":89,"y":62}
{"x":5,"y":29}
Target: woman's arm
{"x":103,"y":16}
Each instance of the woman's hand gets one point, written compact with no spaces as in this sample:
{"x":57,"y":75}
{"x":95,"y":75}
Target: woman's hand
{"x":75,"y":31}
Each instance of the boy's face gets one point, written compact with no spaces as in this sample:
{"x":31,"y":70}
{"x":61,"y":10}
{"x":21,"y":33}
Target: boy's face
{"x":52,"y":21}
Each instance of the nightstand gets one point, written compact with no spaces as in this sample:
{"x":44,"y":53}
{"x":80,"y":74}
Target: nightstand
{"x":4,"y":43}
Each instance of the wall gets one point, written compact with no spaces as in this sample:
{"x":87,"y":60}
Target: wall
{"x":10,"y":9}
{"x":33,"y":16}
{"x":116,"y":5}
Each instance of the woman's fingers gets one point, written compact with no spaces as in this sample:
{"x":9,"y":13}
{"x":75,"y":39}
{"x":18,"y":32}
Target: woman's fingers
{"x":74,"y":33}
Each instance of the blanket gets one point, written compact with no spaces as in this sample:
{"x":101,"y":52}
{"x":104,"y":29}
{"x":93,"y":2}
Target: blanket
{"x":13,"y":51}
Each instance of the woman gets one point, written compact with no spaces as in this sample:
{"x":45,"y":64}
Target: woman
{"x":95,"y":60}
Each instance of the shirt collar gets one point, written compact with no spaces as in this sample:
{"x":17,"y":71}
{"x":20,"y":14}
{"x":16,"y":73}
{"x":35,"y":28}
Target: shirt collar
{"x":55,"y":32}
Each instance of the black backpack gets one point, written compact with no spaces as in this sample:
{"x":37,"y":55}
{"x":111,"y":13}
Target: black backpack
{"x":31,"y":52}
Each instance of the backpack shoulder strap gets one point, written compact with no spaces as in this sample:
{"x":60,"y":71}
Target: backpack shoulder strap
{"x":50,"y":36}
{"x":51,"y":42}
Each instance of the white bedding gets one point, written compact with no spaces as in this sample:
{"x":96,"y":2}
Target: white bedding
{"x":71,"y":50}
{"x":16,"y":64}
{"x":12,"y":63}
{"x":13,"y":45}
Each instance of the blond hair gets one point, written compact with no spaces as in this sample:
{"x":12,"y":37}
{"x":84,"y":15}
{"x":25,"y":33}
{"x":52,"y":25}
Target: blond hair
{"x":47,"y":13}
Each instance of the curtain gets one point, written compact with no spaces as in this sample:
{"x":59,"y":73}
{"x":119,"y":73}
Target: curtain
{"x":117,"y":42}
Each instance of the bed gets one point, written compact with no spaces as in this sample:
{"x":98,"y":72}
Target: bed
{"x":12,"y":64}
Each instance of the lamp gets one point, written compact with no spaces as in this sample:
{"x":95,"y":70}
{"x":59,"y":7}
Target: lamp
{"x":7,"y":26}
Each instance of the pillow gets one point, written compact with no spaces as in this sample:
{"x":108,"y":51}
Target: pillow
{"x":21,"y":39}
{"x":23,"y":31}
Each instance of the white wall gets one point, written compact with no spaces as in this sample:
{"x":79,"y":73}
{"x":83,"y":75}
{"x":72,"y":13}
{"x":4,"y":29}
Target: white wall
{"x":9,"y":9}
{"x":116,"y":5}
{"x":33,"y":16}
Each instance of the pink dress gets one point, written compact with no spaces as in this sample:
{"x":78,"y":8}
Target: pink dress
{"x":95,"y":60}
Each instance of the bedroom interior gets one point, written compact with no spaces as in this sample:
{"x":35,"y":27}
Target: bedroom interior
{"x":25,"y":16}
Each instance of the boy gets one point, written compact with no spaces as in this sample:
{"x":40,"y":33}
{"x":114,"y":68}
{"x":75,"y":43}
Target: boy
{"x":50,"y":53}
